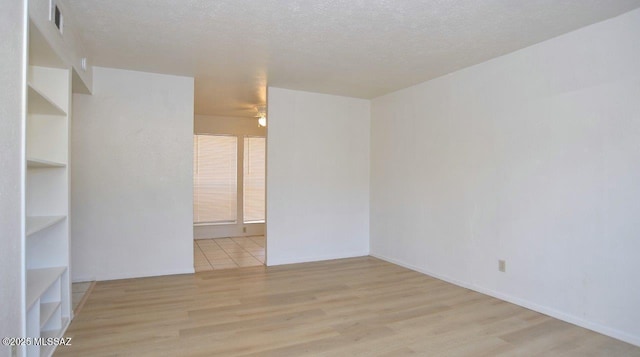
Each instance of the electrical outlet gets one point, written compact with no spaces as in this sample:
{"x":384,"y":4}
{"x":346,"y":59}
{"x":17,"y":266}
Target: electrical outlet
{"x":244,"y":229}
{"x":502,"y":265}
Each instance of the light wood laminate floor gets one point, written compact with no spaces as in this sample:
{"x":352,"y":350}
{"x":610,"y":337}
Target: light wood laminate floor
{"x":348,"y":307}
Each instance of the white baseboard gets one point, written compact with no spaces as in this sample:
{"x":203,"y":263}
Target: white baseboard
{"x":129,"y":275}
{"x":82,"y":279}
{"x":605,"y":330}
{"x":317,"y":258}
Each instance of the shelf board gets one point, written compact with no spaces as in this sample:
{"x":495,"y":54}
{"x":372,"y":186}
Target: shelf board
{"x":32,"y":162}
{"x":40,"y":103}
{"x":47,"y":310}
{"x":48,"y":350}
{"x":36,"y":224}
{"x":39,"y":280}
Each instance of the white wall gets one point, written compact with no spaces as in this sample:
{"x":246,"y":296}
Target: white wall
{"x":317,"y":177}
{"x":12,"y":76}
{"x":238,"y":126}
{"x":533,"y":157}
{"x":131,"y":176}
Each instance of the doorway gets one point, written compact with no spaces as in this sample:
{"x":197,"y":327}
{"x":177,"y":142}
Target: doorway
{"x":229,"y":193}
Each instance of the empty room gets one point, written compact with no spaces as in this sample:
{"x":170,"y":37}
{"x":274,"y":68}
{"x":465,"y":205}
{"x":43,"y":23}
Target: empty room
{"x":320,"y":178}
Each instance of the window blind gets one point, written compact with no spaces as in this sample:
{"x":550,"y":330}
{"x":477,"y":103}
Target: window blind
{"x":215,"y":179}
{"x":254,"y":179}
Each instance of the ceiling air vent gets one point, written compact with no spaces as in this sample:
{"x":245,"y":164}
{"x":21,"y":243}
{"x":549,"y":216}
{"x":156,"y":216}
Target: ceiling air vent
{"x":56,"y":16}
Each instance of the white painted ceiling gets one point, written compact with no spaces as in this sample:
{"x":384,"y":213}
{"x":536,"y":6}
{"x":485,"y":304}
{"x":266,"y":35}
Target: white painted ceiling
{"x":357,"y":48}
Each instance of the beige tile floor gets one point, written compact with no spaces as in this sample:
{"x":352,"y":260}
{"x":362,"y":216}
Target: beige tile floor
{"x":227,"y":253}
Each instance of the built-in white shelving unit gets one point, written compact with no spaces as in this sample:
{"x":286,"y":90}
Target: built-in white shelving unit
{"x":48,"y":288}
{"x":55,"y":68}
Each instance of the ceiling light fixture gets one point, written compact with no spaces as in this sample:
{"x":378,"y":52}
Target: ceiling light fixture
{"x":262,"y":116}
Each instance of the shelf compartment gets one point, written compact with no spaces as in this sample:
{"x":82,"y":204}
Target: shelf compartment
{"x":39,"y":280}
{"x":57,"y":332}
{"x":48,"y":350}
{"x":40,"y":51}
{"x":39,"y":103}
{"x":47,"y":310}
{"x":33,"y":162}
{"x":36,"y":224}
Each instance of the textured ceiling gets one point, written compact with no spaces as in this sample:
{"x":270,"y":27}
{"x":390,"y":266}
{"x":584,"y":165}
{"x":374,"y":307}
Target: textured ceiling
{"x":358,"y":48}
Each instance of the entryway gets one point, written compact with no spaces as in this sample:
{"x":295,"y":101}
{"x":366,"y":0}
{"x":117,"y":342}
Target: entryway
{"x":229,"y":187}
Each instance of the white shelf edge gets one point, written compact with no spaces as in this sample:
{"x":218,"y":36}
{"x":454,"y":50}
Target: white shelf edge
{"x":47,"y":310}
{"x":57,"y":332}
{"x":48,"y":350}
{"x":33,"y":162}
{"x":40,"y":103}
{"x":36,"y":224}
{"x":39,"y":280}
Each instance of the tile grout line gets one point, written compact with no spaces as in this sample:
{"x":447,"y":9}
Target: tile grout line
{"x":229,"y":255}
{"x":234,"y":247}
{"x":251,"y":254}
{"x":205,"y":256}
{"x":261,"y":246}
{"x":243,"y":250}
{"x":263,"y":249}
{"x":225,"y":252}
{"x":254,"y":257}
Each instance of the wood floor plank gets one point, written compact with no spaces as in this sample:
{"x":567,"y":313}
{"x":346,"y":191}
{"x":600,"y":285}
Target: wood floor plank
{"x":348,"y":307}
